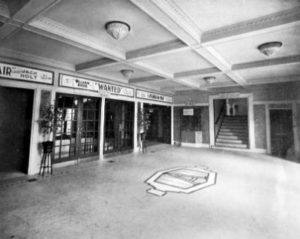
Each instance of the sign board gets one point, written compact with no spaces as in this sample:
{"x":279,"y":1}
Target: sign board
{"x":153,"y":96}
{"x":101,"y":87}
{"x":188,"y":112}
{"x":25,"y":74}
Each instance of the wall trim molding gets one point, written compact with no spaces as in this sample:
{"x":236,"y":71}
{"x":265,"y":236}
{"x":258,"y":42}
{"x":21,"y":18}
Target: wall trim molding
{"x":194,"y":145}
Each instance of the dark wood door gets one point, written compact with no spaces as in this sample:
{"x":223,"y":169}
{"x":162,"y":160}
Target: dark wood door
{"x":282,"y":138}
{"x":15,"y":128}
{"x":119,"y":118}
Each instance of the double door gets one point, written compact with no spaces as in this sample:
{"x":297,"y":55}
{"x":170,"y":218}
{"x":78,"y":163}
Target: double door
{"x":119,"y":118}
{"x":77,"y":131}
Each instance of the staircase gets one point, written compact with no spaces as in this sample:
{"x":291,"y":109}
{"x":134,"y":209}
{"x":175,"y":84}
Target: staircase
{"x":233,"y":132}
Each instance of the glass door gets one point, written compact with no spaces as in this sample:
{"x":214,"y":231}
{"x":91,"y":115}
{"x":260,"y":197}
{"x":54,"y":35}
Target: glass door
{"x":77,"y":133}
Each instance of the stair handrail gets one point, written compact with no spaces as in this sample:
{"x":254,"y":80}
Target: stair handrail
{"x":219,"y":120}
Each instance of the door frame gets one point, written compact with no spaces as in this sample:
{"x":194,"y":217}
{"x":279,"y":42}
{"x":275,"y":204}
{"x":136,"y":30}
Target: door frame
{"x":281,"y":106}
{"x":78,"y":156}
{"x":237,"y":95}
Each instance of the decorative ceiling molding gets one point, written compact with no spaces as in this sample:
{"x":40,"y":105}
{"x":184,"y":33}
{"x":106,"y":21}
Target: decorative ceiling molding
{"x":159,"y":15}
{"x":210,"y":54}
{"x":145,"y":79}
{"x":179,"y":17}
{"x":274,"y":80}
{"x":207,"y":71}
{"x":265,"y":63}
{"x":50,"y":26}
{"x":156,"y":50}
{"x":94,"y":65}
{"x":26,"y":57}
{"x":266,"y":23}
{"x":184,"y":23}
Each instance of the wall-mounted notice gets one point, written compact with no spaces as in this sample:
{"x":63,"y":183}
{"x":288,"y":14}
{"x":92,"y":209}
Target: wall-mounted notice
{"x":25,"y":74}
{"x":85,"y":84}
{"x":188,"y":112}
{"x":153,"y":96}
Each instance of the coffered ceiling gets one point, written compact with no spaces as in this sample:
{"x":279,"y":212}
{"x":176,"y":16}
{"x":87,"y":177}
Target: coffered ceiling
{"x":172,"y":45}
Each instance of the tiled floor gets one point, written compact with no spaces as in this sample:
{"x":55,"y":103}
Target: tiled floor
{"x":256,"y":196}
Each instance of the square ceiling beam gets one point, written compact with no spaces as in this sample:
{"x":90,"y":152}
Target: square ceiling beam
{"x":94,"y":65}
{"x":265,"y":63}
{"x":156,"y":50}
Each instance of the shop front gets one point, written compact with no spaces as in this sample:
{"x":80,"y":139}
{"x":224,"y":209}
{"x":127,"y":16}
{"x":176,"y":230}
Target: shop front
{"x":17,"y":99}
{"x":159,"y":116}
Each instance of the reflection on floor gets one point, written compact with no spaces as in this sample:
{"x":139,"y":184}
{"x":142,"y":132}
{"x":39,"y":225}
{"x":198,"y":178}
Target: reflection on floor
{"x":256,"y":196}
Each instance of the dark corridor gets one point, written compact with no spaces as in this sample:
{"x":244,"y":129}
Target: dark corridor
{"x":160,"y":126}
{"x":15,"y":128}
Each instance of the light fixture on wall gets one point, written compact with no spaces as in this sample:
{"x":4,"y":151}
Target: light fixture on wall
{"x":269,"y":48}
{"x":209,"y":79}
{"x":117,"y":29}
{"x":127,"y":73}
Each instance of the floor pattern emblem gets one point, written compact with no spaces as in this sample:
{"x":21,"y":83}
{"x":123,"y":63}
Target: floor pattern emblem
{"x":181,"y":180}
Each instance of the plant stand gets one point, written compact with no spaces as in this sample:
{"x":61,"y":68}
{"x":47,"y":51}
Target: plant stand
{"x":46,"y":164}
{"x":143,"y":142}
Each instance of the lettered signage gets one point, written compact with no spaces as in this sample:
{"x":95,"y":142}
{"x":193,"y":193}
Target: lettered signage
{"x":85,"y":84}
{"x":188,"y":112}
{"x":153,"y":96}
{"x":25,"y":74}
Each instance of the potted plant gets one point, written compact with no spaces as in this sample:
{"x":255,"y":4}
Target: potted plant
{"x":48,"y":120}
{"x":144,"y":123}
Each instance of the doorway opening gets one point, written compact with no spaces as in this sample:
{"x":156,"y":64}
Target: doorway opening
{"x":231,"y":128}
{"x":78,"y":133}
{"x":119,"y":119}
{"x":16,"y":107}
{"x":282,"y":137}
{"x":160,"y":124}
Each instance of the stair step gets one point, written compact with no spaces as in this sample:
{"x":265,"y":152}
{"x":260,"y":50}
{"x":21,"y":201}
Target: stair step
{"x":233,"y":131}
{"x":234,"y":127}
{"x":233,"y":137}
{"x":226,"y":133}
{"x":230,"y":141}
{"x":234,"y":123}
{"x":241,"y":146}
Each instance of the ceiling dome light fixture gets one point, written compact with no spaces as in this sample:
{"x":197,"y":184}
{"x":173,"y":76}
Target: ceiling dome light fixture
{"x":127,"y":73}
{"x":117,"y":29}
{"x":209,"y":79}
{"x":269,"y":48}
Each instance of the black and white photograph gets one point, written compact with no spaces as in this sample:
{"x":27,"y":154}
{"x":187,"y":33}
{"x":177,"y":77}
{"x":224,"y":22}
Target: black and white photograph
{"x":149,"y":119}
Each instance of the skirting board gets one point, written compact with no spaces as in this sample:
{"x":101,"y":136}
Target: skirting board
{"x":194,"y":145}
{"x":74,"y":162}
{"x":256,"y":150}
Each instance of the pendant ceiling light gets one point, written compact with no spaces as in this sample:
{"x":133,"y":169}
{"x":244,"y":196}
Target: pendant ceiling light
{"x":117,"y":29}
{"x":209,"y":79}
{"x":127,"y":73}
{"x":269,"y":48}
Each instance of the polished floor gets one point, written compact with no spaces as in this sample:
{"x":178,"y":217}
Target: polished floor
{"x":256,"y":196}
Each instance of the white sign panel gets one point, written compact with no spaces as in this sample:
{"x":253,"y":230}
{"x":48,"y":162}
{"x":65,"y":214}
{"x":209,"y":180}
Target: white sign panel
{"x":25,"y":74}
{"x":81,"y":83}
{"x":189,"y":112}
{"x":153,"y":96}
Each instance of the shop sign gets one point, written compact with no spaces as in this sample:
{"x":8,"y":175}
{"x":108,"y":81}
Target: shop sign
{"x":101,"y":87}
{"x":153,"y":96}
{"x":25,"y":74}
{"x":188,"y":112}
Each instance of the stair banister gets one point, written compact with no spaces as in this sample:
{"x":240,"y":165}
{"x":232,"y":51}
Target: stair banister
{"x":219,"y":120}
